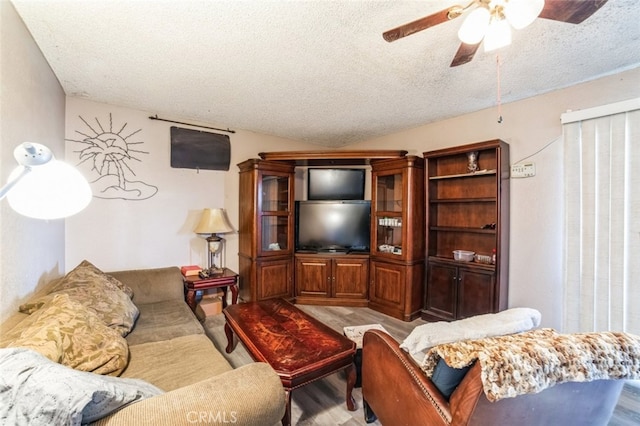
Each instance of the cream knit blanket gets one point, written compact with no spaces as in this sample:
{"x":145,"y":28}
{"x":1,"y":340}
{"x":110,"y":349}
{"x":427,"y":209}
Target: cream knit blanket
{"x":532,"y":361}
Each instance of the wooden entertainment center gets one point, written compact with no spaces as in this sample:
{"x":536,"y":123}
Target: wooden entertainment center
{"x":390,"y":278}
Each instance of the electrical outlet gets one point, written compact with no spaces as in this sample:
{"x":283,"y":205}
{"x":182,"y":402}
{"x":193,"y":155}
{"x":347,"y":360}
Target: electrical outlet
{"x":524,"y":170}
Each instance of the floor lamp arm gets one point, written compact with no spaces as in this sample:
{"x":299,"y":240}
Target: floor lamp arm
{"x":5,"y":189}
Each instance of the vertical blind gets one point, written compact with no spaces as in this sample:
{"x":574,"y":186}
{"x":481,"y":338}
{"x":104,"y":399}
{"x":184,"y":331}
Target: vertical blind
{"x":602,"y":219}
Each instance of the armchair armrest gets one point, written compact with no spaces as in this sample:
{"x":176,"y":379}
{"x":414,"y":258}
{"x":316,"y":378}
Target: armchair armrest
{"x":570,"y":403}
{"x":396,"y":388}
{"x":249,"y":395}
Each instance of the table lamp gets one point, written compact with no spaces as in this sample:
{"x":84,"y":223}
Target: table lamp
{"x":212,"y":222}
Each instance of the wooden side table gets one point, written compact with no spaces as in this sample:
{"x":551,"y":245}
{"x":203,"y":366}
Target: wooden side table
{"x":227,"y":279}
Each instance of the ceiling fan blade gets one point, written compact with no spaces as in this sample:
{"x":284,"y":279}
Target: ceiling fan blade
{"x":421,"y":24}
{"x":464,"y":54}
{"x":571,"y":11}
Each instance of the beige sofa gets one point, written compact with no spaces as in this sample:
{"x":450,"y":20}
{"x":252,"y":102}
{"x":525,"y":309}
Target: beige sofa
{"x":168,"y":348}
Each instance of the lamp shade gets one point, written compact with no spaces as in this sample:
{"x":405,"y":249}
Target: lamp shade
{"x":213,"y":221}
{"x":521,"y":13}
{"x":45,"y":188}
{"x":498,"y":35}
{"x":474,"y":26}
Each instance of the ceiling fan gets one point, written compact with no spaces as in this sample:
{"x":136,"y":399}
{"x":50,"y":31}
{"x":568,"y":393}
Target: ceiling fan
{"x":491,"y":21}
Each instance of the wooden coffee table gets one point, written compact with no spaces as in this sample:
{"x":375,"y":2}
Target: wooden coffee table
{"x":300,"y":348}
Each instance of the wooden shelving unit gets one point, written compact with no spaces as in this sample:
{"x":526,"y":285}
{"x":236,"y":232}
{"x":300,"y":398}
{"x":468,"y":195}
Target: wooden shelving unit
{"x":266,"y":230}
{"x":266,"y":253}
{"x":466,"y":211}
{"x":397,"y":247}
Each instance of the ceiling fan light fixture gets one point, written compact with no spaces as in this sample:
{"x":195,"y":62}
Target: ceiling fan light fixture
{"x":498,"y":35}
{"x":521,"y":13}
{"x":474,"y":26}
{"x":501,"y":15}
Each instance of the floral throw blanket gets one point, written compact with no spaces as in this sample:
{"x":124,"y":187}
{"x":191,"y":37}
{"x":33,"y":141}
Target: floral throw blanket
{"x":532,"y":361}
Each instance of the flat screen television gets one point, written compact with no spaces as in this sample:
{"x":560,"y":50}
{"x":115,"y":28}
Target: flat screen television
{"x":333,"y":226}
{"x":335,"y":184}
{"x":195,"y":149}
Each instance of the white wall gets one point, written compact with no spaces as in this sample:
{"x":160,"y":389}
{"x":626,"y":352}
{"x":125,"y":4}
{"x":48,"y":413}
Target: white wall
{"x":31,"y":109}
{"x":156,"y":231}
{"x":536,"y":278}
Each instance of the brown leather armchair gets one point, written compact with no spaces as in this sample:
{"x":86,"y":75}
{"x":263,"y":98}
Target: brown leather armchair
{"x":398,"y":392}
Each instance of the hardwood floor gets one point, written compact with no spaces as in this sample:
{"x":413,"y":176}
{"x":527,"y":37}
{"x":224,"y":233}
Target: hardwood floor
{"x":627,"y":412}
{"x":323,"y":402}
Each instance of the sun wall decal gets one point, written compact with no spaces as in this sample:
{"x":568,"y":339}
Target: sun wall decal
{"x":112,"y":155}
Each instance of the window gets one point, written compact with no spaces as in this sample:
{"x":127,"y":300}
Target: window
{"x":602,"y":218}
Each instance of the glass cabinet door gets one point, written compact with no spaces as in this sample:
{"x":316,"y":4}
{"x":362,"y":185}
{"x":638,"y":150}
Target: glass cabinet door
{"x":275,"y":233}
{"x":388,"y":211}
{"x":275,"y":193}
{"x":276,"y":215}
{"x":389,"y":193}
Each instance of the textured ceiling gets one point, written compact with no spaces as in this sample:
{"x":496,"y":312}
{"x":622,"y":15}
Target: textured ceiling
{"x":314,"y":71}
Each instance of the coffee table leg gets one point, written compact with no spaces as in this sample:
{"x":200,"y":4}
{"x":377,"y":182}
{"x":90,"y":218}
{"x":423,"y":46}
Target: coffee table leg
{"x":230,"y":339}
{"x":286,"y":420}
{"x":351,"y":381}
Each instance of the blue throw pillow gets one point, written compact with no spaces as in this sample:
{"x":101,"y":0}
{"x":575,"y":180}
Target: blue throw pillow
{"x":446,"y":378}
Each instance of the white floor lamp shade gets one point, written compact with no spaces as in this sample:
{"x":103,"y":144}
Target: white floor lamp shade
{"x":42,"y":187}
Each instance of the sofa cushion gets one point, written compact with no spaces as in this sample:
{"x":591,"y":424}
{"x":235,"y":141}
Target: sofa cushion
{"x":153,"y":285}
{"x":65,"y":331}
{"x":48,"y":393}
{"x":164,"y":321}
{"x":251,"y":395}
{"x":88,"y":285}
{"x":178,"y":362}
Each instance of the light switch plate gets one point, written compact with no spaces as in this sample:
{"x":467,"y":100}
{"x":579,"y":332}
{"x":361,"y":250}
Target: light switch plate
{"x":523,"y":170}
